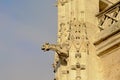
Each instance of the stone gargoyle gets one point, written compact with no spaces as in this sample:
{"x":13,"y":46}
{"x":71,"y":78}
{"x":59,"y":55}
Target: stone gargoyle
{"x":61,"y":50}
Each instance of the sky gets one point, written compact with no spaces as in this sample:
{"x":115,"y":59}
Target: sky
{"x":24,"y":26}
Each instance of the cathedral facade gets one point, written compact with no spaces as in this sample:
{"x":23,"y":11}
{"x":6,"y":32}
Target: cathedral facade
{"x":88,"y":44}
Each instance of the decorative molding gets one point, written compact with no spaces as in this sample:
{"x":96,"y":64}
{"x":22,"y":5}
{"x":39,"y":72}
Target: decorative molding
{"x":65,"y":72}
{"x":107,"y":33}
{"x":109,"y":16}
{"x":78,"y":67}
{"x":109,"y":9}
{"x":62,"y":2}
{"x":108,"y":39}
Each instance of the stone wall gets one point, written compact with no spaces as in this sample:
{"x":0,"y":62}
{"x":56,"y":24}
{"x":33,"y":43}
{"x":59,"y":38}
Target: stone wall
{"x":111,"y":66}
{"x":108,"y":49}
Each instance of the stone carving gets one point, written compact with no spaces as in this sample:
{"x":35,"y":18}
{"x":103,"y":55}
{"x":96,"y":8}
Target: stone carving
{"x":78,"y":66}
{"x":77,"y":25}
{"x":78,"y":55}
{"x":78,"y":78}
{"x":62,"y":2}
{"x":65,"y":72}
{"x":56,"y":65}
{"x":61,"y":50}
{"x":62,"y":25}
{"x":108,"y":17}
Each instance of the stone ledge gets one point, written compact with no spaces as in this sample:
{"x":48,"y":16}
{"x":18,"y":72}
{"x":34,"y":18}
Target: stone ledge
{"x":108,"y":39}
{"x":108,"y":48}
{"x":107,"y":33}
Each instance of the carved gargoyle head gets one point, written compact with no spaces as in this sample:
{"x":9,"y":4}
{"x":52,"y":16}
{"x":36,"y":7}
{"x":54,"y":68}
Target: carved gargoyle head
{"x":45,"y":47}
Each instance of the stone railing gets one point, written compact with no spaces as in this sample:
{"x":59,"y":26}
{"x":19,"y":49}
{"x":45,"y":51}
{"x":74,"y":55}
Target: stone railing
{"x":108,"y":40}
{"x":109,"y":16}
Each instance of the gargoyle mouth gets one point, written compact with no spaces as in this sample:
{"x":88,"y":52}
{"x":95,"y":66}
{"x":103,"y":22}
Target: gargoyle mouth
{"x":43,"y":48}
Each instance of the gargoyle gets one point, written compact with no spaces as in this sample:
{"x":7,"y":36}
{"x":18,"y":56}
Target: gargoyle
{"x":61,"y":50}
{"x":56,"y":66}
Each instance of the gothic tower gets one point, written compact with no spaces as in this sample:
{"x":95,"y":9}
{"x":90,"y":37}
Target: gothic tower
{"x":75,"y":54}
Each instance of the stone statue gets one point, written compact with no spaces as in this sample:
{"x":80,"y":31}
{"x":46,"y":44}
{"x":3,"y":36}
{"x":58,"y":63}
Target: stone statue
{"x":61,"y":50}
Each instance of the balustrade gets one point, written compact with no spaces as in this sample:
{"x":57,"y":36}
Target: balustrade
{"x":109,"y":16}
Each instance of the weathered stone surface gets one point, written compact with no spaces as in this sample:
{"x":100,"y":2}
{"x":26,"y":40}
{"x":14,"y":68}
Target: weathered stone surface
{"x":108,"y":39}
{"x":88,"y":45}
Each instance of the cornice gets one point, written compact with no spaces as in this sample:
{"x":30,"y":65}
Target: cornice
{"x":108,"y":39}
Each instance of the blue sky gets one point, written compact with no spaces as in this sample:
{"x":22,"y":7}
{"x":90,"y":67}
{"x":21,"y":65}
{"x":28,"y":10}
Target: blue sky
{"x":24,"y":26}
